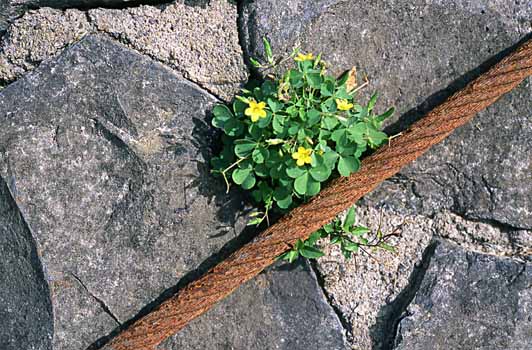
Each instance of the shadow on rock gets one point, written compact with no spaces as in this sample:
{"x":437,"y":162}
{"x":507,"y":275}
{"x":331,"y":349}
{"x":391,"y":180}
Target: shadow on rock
{"x":230,"y":211}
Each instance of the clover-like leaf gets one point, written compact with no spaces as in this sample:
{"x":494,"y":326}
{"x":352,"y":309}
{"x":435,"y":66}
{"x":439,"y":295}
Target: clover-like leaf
{"x":243,"y":148}
{"x":348,"y":165}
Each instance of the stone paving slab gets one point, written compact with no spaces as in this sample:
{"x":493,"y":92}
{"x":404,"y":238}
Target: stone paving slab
{"x":105,"y":153}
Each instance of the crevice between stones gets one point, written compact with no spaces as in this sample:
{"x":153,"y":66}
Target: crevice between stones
{"x":384,"y":333}
{"x":501,"y":226}
{"x":240,"y":23}
{"x":346,"y":325}
{"x":100,"y":302}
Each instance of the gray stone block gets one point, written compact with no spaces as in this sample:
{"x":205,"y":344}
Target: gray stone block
{"x":469,"y":301}
{"x":105,"y":153}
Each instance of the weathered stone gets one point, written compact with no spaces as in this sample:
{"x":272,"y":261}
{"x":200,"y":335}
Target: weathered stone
{"x":288,"y":305}
{"x":5,"y":15}
{"x":12,"y":9}
{"x":360,"y":287}
{"x":200,"y":42}
{"x":103,"y":204}
{"x":105,"y":153}
{"x":36,"y":37}
{"x":469,"y":301}
{"x":25,"y":306}
{"x":411,"y":52}
{"x":482,"y":237}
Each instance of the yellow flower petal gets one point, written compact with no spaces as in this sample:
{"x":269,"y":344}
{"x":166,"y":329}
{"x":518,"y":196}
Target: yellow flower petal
{"x":300,"y":162}
{"x":295,"y":155}
{"x":302,"y":57}
{"x":343,"y":105}
{"x":261,"y":113}
{"x":254,"y":118}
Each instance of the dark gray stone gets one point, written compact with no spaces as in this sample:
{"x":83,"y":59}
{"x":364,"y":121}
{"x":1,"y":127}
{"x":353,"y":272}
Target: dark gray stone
{"x":105,"y":153}
{"x":4,"y":16}
{"x":25,"y":308}
{"x":415,"y":54}
{"x":469,"y":301}
{"x":288,"y":305}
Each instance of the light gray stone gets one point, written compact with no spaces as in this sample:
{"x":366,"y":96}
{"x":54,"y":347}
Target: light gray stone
{"x":415,"y":54}
{"x":37,"y":36}
{"x":200,"y":42}
{"x":12,"y":9}
{"x":469,"y":301}
{"x":361,"y":287}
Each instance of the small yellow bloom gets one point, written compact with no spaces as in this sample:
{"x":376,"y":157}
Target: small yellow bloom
{"x":302,"y":57}
{"x":255,"y":110}
{"x":343,"y":105}
{"x":302,"y":156}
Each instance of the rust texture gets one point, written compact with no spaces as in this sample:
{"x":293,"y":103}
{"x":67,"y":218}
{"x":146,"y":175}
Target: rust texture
{"x":251,"y":259}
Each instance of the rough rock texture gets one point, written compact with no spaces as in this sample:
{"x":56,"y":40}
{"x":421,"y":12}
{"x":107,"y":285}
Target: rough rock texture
{"x":37,"y":36}
{"x":473,"y":189}
{"x":12,"y":9}
{"x":201,"y":42}
{"x":411,"y":52}
{"x":482,"y":237}
{"x":359,"y":287}
{"x":104,"y":152}
{"x":25,"y":306}
{"x":469,"y":301}
{"x":5,"y":15}
{"x":282,"y":308}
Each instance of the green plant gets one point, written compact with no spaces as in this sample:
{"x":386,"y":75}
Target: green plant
{"x":285,"y":137}
{"x":350,"y":237}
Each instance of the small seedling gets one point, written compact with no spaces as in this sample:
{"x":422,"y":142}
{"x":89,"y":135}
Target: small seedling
{"x":350,"y":237}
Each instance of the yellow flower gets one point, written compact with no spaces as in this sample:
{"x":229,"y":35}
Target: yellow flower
{"x":255,"y":110}
{"x":302,"y":57}
{"x":343,"y":105}
{"x":302,"y":156}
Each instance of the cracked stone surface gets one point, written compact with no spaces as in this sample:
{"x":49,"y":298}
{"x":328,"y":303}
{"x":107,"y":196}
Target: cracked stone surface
{"x":200,"y":42}
{"x":360,"y":287}
{"x":289,"y":306}
{"x":415,"y":53}
{"x":372,"y":292}
{"x":104,"y":152}
{"x":469,"y":301}
{"x":483,"y":237}
{"x":12,"y":9}
{"x":473,"y":189}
